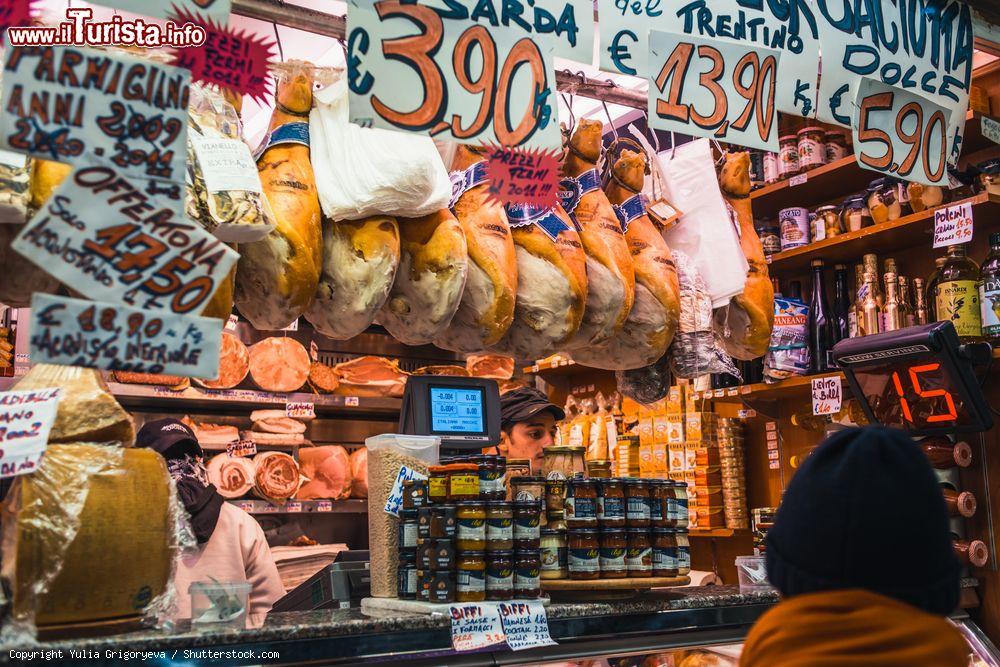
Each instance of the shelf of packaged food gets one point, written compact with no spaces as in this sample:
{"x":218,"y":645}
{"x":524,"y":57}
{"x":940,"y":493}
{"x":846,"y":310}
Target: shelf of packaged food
{"x":351,"y":506}
{"x":782,"y":389}
{"x":891,"y":236}
{"x":839,"y":178}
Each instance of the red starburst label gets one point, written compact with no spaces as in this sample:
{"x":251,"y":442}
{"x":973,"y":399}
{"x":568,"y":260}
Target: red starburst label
{"x":523,"y":176}
{"x":229,"y":58}
{"x":15,"y":13}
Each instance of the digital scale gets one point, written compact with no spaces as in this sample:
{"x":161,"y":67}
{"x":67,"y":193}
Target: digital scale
{"x":920,"y":379}
{"x":463,"y":412}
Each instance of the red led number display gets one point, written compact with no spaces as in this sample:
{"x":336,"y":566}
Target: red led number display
{"x":914,"y":378}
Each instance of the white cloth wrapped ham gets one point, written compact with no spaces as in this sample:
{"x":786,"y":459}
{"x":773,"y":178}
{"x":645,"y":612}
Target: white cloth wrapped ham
{"x":276,"y":476}
{"x":359,"y":473}
{"x":279,"y":364}
{"x":231,"y":475}
{"x":329,"y":471}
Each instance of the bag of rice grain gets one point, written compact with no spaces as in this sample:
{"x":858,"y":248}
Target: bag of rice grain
{"x":387,"y":455}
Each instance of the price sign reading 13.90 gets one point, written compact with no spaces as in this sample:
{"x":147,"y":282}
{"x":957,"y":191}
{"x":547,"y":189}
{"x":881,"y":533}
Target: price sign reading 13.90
{"x":713,"y":88}
{"x":450,"y":70}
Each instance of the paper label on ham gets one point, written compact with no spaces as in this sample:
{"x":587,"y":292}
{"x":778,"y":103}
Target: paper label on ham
{"x":395,"y":500}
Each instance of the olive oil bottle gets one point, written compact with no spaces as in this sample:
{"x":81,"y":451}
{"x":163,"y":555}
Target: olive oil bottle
{"x":956,"y":295}
{"x":989,"y":291}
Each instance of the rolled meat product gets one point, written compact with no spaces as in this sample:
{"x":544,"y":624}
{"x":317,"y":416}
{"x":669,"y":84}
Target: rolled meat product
{"x":172,"y":381}
{"x":359,"y":265}
{"x":610,"y":275}
{"x":487,"y":307}
{"x":279,"y":364}
{"x":551,"y":283}
{"x":454,"y":371}
{"x":359,"y":473}
{"x":276,"y":423}
{"x":433,"y":266}
{"x":232,"y":476}
{"x":276,"y":476}
{"x":493,"y":366}
{"x":652,"y":321}
{"x":329,"y":471}
{"x":276,"y":278}
{"x":323,"y":378}
{"x":234,"y":364}
{"x":371,"y":376}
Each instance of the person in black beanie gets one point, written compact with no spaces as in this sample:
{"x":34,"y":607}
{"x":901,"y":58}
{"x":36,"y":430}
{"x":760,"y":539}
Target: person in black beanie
{"x":861,"y":553}
{"x":527,"y":424}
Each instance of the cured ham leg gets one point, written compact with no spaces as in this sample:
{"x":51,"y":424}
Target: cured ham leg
{"x":487,"y":307}
{"x":276,"y":277}
{"x":652,"y":322}
{"x":744,"y":325}
{"x":610,"y":276}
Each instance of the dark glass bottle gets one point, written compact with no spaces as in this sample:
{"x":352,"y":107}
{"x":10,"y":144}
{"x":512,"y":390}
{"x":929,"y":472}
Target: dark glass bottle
{"x":841,"y":304}
{"x":821,"y":323}
{"x":794,"y":290}
{"x":989,"y":291}
{"x":932,"y":282}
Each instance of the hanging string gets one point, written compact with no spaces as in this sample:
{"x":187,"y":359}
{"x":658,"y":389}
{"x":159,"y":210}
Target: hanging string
{"x":277,"y":38}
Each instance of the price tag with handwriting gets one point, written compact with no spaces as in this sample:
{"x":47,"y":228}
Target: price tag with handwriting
{"x":475,"y":626}
{"x":990,"y":129}
{"x":26,"y":418}
{"x":243,"y":447}
{"x":300,"y":410}
{"x":826,"y":395}
{"x":525,"y":625}
{"x":953,"y":225}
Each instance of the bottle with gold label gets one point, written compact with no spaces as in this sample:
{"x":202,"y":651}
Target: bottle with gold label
{"x":871,"y":266}
{"x":956,"y":295}
{"x":893,"y":317}
{"x":855,"y":312}
{"x":920,"y":314}
{"x":989,"y":291}
{"x":870,"y":316}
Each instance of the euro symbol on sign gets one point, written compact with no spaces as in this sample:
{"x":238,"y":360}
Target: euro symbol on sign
{"x":358,"y":42}
{"x":619,"y":52}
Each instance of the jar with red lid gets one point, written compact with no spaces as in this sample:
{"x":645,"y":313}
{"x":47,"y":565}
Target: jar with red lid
{"x":611,"y":503}
{"x":581,"y":503}
{"x":639,"y":556}
{"x":614,"y":544}
{"x":811,"y":147}
{"x":584,"y":553}
{"x":788,"y":156}
{"x":527,"y":575}
{"x":637,"y":503}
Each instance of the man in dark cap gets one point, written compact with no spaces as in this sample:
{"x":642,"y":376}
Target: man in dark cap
{"x":231,"y":544}
{"x":861,"y":553}
{"x":527,"y":424}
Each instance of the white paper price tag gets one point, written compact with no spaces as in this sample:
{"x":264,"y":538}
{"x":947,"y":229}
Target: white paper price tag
{"x":293,"y":506}
{"x":826,"y":395}
{"x":324,"y":505}
{"x":990,"y":129}
{"x":953,"y":225}
{"x":232,"y":322}
{"x":294,"y":326}
{"x":395,"y":500}
{"x":26,"y":418}
{"x":475,"y":626}
{"x":525,"y":625}
{"x":351,"y":401}
{"x":774,"y":465}
{"x":300,"y":410}
{"x":242,"y":448}
{"x":797,"y":180}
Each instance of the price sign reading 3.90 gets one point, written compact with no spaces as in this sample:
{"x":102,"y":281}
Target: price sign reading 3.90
{"x":900,"y":133}
{"x":434,"y":70}
{"x":713,"y":88}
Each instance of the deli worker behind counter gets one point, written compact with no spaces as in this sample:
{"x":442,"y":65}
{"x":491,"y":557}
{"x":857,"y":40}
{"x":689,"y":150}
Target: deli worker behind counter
{"x":231,"y":544}
{"x":527,"y":424}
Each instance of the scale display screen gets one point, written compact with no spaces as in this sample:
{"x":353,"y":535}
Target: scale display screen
{"x":919,"y":379}
{"x":457,"y":410}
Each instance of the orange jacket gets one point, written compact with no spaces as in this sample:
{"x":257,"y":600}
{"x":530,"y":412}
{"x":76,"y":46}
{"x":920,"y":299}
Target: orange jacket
{"x":852,"y":628}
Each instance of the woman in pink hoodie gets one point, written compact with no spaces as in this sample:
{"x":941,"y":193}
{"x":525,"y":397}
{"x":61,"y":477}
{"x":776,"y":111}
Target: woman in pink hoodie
{"x":231,"y":544}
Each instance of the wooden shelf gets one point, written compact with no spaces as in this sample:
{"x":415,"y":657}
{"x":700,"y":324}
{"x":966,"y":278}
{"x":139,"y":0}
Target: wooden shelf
{"x":910,"y":230}
{"x":794,"y":386}
{"x":350,"y":506}
{"x":717,"y":532}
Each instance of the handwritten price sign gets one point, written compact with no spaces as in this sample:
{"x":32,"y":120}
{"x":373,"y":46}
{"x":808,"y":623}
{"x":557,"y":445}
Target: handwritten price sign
{"x":525,"y":625}
{"x":242,"y":448}
{"x":826,"y":395}
{"x":953,"y":225}
{"x":104,"y":236}
{"x":475,"y":626}
{"x":74,"y":332}
{"x":711,"y":88}
{"x":87,"y":107}
{"x":431,"y":69}
{"x":899,"y":133}
{"x":26,"y":418}
{"x":300,"y":410}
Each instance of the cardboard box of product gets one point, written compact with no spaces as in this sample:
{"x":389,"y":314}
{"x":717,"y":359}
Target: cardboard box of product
{"x":675,"y":429}
{"x":675,"y":405}
{"x":676,"y":460}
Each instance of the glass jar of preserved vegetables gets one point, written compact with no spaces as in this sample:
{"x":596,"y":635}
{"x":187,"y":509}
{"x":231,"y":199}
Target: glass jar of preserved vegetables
{"x":584,"y":554}
{"x":611,"y":503}
{"x":471,"y":533}
{"x":470,"y":576}
{"x":637,"y":510}
{"x":581,"y":503}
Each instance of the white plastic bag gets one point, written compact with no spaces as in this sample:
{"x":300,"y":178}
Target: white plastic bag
{"x":705,"y":231}
{"x":361,"y":172}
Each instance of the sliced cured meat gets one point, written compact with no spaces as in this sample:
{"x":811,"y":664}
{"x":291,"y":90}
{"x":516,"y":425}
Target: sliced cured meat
{"x":278,"y":425}
{"x":276,"y":476}
{"x":652,"y":321}
{"x":323,"y":378}
{"x":329,"y":471}
{"x":433,"y":266}
{"x":610,"y":275}
{"x":279,"y":364}
{"x":234,"y":364}
{"x":455,"y":371}
{"x":212,"y":435}
{"x":233,"y":476}
{"x":257,"y":415}
{"x":494,"y":366}
{"x":359,"y":473}
{"x":173,"y":381}
{"x":371,"y":376}
{"x":487,"y":307}
{"x":276,"y":278}
{"x":266,"y":438}
{"x":359,"y":264}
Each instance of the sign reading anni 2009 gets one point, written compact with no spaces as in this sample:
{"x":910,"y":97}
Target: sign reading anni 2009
{"x":453,"y":69}
{"x":84,"y":107}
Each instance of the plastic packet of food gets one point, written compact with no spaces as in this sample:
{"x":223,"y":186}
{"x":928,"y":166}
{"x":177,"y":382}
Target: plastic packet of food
{"x":788,"y":351}
{"x":224,"y":192}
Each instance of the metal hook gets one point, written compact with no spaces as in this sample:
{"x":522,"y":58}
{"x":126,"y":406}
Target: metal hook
{"x":614,"y":131}
{"x":277,"y":38}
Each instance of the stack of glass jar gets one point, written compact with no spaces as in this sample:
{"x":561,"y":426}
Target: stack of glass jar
{"x":462,"y":540}
{"x":612,"y":528}
{"x":807,"y":149}
{"x":734,"y":490}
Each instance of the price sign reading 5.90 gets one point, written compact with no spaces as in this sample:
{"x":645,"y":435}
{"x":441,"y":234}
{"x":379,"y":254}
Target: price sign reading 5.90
{"x":431,"y":69}
{"x":899,"y":133}
{"x":713,"y":88}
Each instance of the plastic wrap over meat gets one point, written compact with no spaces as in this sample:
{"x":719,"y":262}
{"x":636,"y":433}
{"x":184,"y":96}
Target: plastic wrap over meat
{"x":647,"y":384}
{"x":14,"y":194}
{"x":695,"y":350}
